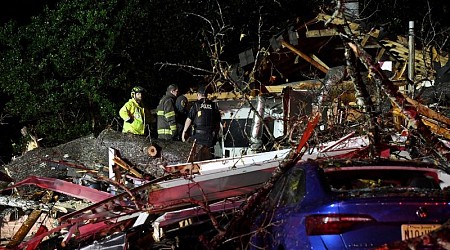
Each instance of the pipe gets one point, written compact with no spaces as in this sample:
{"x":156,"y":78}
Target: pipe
{"x":255,"y":140}
{"x":411,"y":63}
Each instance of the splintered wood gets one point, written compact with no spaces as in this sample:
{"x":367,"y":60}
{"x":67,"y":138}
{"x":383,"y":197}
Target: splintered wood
{"x":119,"y":162}
{"x":190,"y":168}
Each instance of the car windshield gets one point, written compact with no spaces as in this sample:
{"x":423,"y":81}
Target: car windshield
{"x":366,"y":179}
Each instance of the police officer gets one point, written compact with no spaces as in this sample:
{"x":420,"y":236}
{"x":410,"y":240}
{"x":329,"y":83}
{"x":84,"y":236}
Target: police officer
{"x":205,"y":118}
{"x":133,"y":112}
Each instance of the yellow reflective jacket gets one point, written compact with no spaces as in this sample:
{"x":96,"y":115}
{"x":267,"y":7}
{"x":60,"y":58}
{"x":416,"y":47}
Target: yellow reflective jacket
{"x":133,"y":110}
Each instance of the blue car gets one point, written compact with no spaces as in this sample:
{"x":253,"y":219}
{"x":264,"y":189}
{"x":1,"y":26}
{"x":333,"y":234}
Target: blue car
{"x":351,"y":205}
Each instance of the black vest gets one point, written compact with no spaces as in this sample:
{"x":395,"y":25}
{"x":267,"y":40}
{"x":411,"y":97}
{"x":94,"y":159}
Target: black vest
{"x":205,"y":115}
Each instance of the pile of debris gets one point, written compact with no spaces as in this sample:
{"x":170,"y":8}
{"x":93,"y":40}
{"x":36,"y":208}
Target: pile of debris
{"x":84,"y":162}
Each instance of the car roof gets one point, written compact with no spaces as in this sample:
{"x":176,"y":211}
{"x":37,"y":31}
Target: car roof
{"x":388,"y":167}
{"x":350,"y":164}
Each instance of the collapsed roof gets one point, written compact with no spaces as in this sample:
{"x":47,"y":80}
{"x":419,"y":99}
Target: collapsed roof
{"x":311,"y":48}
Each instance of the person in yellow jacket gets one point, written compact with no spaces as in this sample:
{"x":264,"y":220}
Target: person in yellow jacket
{"x":166,"y":123}
{"x":133,"y":112}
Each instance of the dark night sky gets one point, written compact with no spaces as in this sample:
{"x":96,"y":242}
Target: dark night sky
{"x":21,"y":10}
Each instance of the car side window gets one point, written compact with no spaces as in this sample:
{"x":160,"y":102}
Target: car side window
{"x":294,"y":189}
{"x":277,"y":191}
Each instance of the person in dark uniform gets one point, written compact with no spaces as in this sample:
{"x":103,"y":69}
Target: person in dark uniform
{"x":204,"y":116}
{"x":181,"y":111}
{"x":166,"y":125}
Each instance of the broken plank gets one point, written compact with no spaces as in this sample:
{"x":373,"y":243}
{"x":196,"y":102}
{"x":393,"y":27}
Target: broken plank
{"x":317,"y":59}
{"x":305,"y":57}
{"x":121,"y":163}
{"x":321,"y":33}
{"x":435,"y":128}
{"x":337,"y":21}
{"x":425,"y":111}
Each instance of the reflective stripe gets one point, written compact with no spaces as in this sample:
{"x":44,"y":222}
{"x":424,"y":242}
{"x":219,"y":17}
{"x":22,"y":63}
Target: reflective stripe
{"x":167,"y":115}
{"x":170,"y":114}
{"x":164,"y":131}
{"x":173,"y":127}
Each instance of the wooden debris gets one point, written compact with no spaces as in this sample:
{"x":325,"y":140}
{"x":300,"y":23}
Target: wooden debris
{"x":316,"y":64}
{"x":192,"y":152}
{"x":121,"y":163}
{"x":441,"y":151}
{"x":28,"y":224}
{"x":153,"y":150}
{"x":425,"y":111}
{"x":189,"y":168}
{"x":31,"y":139}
